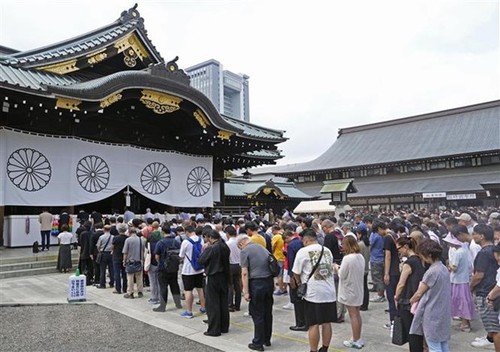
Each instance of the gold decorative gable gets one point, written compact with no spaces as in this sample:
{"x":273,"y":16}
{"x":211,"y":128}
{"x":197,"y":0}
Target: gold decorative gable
{"x":160,"y":103}
{"x":132,"y":49}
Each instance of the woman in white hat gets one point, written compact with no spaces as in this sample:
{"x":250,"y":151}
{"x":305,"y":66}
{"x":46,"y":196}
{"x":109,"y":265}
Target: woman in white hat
{"x":460,"y":266}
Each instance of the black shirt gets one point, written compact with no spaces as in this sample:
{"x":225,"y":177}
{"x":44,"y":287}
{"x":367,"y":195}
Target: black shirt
{"x":390,"y":245}
{"x":118,"y":243}
{"x":486,"y":263}
{"x":332,"y":243}
{"x":215,"y":258}
{"x":412,"y":282}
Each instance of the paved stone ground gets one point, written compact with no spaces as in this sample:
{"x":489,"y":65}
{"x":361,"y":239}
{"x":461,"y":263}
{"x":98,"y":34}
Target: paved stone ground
{"x":84,"y":327}
{"x":51,"y":289}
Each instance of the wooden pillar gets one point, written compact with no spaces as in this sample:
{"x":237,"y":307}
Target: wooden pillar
{"x":2,"y":213}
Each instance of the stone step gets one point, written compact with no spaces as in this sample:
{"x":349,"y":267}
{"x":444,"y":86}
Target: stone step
{"x":29,"y":259}
{"x":35,"y":271}
{"x":31,"y":265}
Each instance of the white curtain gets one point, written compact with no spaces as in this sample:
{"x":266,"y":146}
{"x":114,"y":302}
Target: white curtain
{"x":40,"y":170}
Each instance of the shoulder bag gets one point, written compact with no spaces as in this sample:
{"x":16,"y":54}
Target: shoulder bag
{"x":98,"y":259}
{"x":135,"y":266}
{"x":302,"y":289}
{"x":147,"y":257}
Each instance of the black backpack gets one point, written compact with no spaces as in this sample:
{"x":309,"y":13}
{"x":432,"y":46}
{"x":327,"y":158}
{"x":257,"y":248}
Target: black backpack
{"x":35,"y":247}
{"x":172,"y":260}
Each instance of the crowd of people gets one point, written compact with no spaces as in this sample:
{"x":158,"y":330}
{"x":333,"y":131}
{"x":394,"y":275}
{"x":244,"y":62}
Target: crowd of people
{"x":431,"y":267}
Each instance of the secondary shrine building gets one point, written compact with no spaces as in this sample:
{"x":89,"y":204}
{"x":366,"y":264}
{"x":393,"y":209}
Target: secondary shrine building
{"x":86,"y":118}
{"x":443,"y":158}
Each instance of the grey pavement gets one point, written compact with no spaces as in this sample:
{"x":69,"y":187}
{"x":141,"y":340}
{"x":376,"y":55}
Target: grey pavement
{"x":52,"y":289}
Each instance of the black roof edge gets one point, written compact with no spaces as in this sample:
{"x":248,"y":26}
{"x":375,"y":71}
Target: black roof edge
{"x":143,"y":79}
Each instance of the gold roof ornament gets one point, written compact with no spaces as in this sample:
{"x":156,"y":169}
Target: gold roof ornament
{"x":68,"y":103}
{"x":110,"y":99}
{"x":201,"y":118}
{"x":160,"y":103}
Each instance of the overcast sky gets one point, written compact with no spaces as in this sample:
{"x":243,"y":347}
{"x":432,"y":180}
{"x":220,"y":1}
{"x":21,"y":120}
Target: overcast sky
{"x":314,"y":66}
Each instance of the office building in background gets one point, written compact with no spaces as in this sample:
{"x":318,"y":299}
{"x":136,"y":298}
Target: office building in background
{"x":228,"y":91}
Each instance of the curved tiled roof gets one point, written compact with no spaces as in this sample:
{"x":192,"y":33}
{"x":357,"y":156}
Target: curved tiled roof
{"x":254,"y":130}
{"x":460,"y":131}
{"x":242,"y":188}
{"x":92,"y":41}
{"x":18,"y":78}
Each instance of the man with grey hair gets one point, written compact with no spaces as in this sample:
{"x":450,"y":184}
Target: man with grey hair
{"x":104,"y":244}
{"x":120,"y":275}
{"x":347,"y":229}
{"x":133,"y":251}
{"x":258,"y":286}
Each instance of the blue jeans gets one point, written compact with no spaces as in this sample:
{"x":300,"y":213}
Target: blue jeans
{"x":120,"y":275}
{"x":153,"y":282}
{"x":438,"y":346}
{"x":107,"y":262}
{"x":45,"y":239}
{"x":390,"y":291}
{"x":261,"y":309}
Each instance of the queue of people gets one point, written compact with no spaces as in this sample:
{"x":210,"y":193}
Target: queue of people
{"x":431,"y":268}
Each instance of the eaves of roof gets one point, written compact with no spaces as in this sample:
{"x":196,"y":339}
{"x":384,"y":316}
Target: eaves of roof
{"x":254,"y":130}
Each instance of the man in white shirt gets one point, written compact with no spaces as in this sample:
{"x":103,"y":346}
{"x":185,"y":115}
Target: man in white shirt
{"x":191,"y":278}
{"x":319,"y":301}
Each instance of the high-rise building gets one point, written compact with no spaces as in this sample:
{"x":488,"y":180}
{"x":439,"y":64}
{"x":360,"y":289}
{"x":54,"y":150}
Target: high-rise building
{"x":228,"y":91}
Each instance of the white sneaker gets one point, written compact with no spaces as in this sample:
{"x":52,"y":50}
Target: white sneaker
{"x":377,"y":299}
{"x":289,"y":306}
{"x":354,"y":344}
{"x":481,"y":342}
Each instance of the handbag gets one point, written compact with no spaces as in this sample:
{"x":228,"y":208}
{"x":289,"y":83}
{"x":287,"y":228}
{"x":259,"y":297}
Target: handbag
{"x":399,"y":336}
{"x":273,"y":265}
{"x":302,"y":288}
{"x":147,"y":258}
{"x":98,"y":259}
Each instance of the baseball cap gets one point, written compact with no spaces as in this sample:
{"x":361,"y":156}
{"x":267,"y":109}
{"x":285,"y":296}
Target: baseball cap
{"x":464,"y":217}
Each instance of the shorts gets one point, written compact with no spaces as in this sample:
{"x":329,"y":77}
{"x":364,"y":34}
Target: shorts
{"x":320,"y":313}
{"x":192,"y":281}
{"x":488,"y":316}
{"x":378,"y":276}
